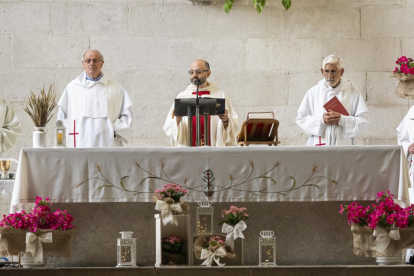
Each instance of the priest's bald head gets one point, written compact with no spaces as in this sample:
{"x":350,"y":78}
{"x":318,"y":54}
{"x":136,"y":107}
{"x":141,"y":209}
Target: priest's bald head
{"x":200,"y":71}
{"x":332,"y":70}
{"x":92,"y":61}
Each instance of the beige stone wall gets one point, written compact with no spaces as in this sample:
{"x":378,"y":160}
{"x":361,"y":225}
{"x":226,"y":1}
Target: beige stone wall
{"x":264,"y":62}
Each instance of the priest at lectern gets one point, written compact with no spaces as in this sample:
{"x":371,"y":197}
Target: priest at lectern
{"x":223,"y":127}
{"x":94,"y":108}
{"x":333,"y":112}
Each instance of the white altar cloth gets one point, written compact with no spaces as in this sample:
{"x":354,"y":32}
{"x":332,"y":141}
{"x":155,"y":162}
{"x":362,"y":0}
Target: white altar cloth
{"x":341,"y":173}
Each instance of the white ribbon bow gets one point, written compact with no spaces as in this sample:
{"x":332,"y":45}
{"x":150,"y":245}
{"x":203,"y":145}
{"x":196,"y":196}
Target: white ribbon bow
{"x":34,"y":244}
{"x":233,"y":232}
{"x":210,"y":256}
{"x":383,"y":238}
{"x":166,"y":211}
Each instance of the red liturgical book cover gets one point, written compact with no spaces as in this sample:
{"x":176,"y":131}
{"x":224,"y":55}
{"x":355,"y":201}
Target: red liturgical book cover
{"x":335,"y":105}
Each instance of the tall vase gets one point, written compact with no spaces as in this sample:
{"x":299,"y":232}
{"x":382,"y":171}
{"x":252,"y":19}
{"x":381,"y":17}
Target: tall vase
{"x":39,"y":137}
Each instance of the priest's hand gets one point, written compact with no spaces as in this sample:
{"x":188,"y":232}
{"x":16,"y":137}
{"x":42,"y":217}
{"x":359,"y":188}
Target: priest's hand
{"x":224,"y":117}
{"x":331,"y":117}
{"x":178,"y":119}
{"x":411,"y":148}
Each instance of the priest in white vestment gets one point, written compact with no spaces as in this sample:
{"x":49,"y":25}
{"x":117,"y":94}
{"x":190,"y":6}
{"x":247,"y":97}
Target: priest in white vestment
{"x":95,"y":109}
{"x":406,"y":140}
{"x":10,"y":126}
{"x":223,"y":127}
{"x":329,"y":127}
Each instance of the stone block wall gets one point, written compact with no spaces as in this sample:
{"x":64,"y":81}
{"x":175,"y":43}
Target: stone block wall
{"x":264,"y":62}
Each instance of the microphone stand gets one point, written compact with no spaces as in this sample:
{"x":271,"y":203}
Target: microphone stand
{"x":197,"y":117}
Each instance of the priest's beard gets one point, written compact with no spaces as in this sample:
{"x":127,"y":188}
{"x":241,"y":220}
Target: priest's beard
{"x":201,"y":80}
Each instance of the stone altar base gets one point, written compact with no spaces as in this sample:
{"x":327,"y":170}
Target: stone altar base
{"x":308,"y":233}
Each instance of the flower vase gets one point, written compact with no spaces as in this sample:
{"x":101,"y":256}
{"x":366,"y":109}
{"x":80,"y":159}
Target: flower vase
{"x":39,"y":137}
{"x":405,"y":88}
{"x":392,"y":255}
{"x":27,"y":260}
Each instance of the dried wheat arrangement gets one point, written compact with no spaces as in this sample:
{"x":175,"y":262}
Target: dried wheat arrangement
{"x":40,"y":107}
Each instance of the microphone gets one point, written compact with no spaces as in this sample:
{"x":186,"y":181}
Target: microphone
{"x":196,"y":82}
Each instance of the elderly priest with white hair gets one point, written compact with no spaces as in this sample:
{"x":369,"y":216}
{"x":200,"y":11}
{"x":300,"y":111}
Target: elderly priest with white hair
{"x":10,"y":126}
{"x":94,"y":108}
{"x":223,"y":127}
{"x":333,"y":112}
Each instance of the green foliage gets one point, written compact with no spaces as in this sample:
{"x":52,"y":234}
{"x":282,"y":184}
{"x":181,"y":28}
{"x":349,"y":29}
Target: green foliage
{"x":176,"y":248}
{"x":287,"y":4}
{"x":228,"y":4}
{"x":232,"y":220}
{"x":258,"y":5}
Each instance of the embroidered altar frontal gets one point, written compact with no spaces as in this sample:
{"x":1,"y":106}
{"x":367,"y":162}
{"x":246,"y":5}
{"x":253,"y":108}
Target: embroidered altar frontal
{"x":231,"y":174}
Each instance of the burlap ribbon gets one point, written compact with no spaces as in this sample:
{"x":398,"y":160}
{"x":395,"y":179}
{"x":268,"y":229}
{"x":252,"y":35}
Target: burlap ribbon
{"x":167,"y":207}
{"x":233,"y":232}
{"x":210,"y":256}
{"x":34,"y":244}
{"x":383,"y":238}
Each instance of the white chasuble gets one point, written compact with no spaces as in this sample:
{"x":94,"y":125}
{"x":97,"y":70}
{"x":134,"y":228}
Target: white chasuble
{"x":219,"y":136}
{"x":311,"y":110}
{"x":10,"y":126}
{"x":95,"y":113}
{"x":405,"y":139}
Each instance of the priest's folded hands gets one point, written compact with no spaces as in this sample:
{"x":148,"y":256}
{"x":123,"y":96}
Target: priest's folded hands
{"x":331,"y":117}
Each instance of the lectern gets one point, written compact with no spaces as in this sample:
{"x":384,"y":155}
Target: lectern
{"x":207,"y":106}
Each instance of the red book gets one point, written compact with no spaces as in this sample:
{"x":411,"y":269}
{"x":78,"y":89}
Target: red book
{"x":335,"y":105}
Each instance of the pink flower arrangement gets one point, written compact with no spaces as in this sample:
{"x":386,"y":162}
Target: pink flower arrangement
{"x":385,"y":214}
{"x":173,"y":245}
{"x":40,"y":217}
{"x":234,"y":215}
{"x":217,"y":240}
{"x":173,"y":239}
{"x":406,"y":66}
{"x":171,"y":190}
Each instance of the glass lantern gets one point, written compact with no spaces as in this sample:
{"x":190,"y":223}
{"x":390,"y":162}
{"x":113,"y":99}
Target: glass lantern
{"x":267,"y":248}
{"x":60,"y":135}
{"x":126,"y":249}
{"x":205,"y":222}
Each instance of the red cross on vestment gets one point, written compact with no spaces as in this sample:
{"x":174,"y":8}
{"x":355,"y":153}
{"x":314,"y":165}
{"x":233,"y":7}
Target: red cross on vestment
{"x":320,"y":142}
{"x":74,"y":133}
{"x":200,"y":93}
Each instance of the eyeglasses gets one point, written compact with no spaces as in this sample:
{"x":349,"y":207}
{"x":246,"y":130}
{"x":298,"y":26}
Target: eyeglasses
{"x":92,"y":60}
{"x":198,"y":72}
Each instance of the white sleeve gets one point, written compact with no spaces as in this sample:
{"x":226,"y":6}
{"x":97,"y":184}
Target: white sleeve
{"x":306,"y":120}
{"x":353,"y":124}
{"x":176,"y":133}
{"x":228,"y":136}
{"x":123,"y":125}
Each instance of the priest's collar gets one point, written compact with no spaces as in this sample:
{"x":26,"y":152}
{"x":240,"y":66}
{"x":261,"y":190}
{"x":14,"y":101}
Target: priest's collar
{"x":91,"y":79}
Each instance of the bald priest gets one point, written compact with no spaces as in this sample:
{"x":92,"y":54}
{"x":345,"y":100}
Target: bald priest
{"x":223,"y":127}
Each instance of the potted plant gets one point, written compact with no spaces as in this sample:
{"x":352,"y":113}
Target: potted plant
{"x":45,"y":231}
{"x":211,"y":249}
{"x":173,"y":249}
{"x":381,"y":230}
{"x":405,"y":74}
{"x":233,"y":223}
{"x":168,"y":201}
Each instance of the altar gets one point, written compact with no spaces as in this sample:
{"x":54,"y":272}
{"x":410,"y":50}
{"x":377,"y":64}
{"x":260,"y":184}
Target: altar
{"x":261,"y":174}
{"x":294,"y":191}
